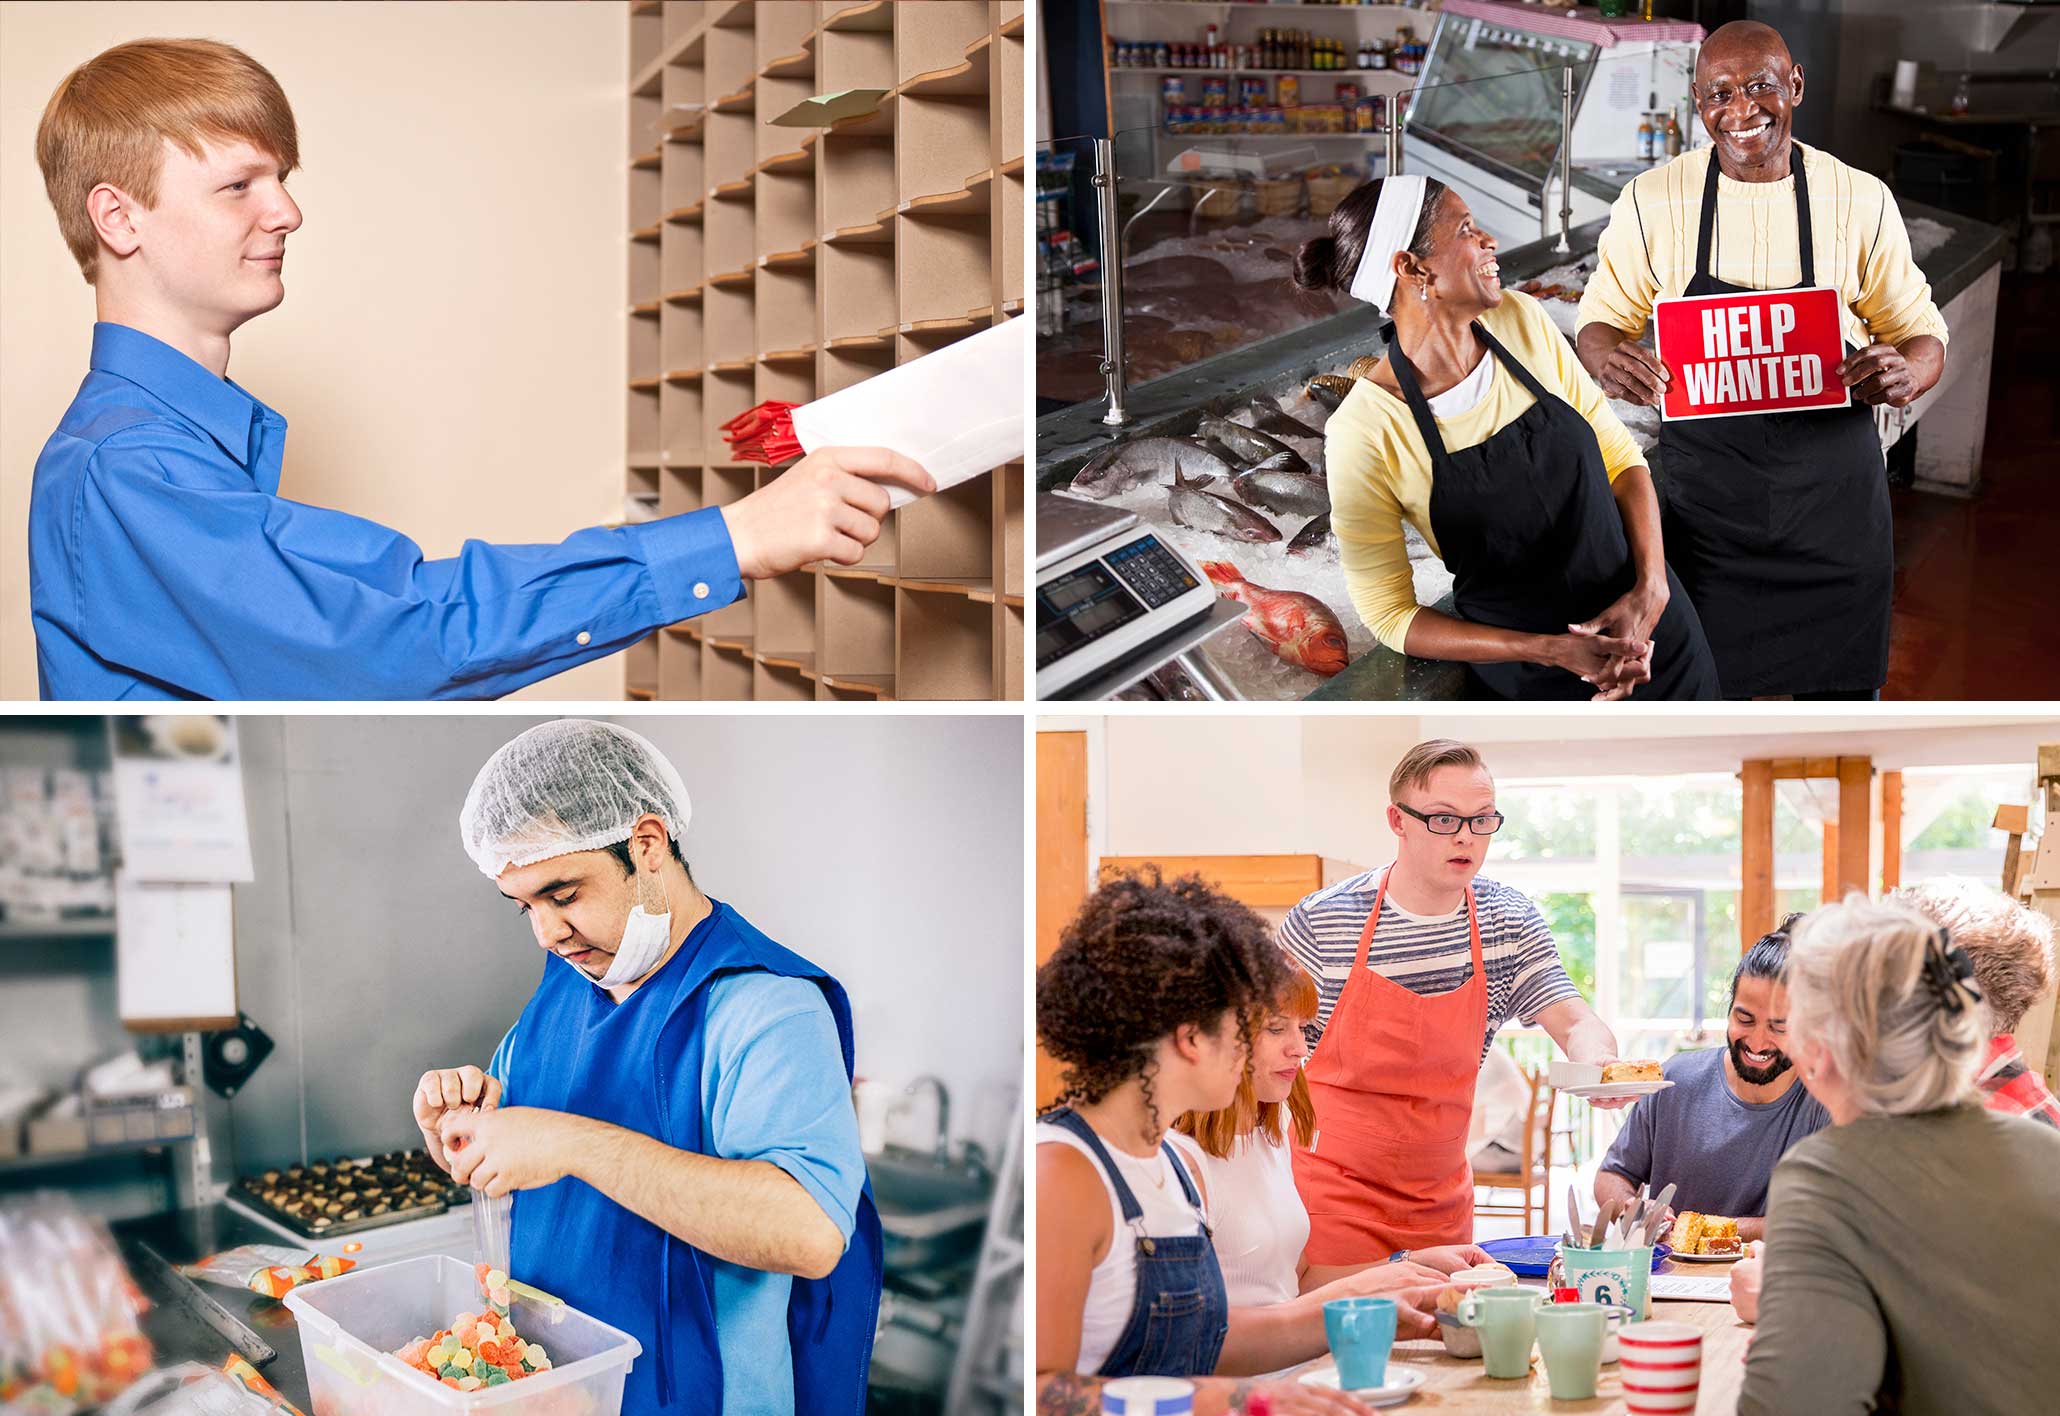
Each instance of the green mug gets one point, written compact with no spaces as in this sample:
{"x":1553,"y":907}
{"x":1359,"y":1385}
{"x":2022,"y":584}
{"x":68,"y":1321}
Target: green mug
{"x":1507,"y":1318}
{"x":1570,"y":1339}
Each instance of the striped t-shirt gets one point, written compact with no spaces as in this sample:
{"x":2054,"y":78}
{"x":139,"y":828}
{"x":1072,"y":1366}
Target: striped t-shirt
{"x":1428,"y":956}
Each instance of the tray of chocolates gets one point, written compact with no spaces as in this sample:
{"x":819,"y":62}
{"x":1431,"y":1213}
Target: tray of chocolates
{"x":327,"y":1198}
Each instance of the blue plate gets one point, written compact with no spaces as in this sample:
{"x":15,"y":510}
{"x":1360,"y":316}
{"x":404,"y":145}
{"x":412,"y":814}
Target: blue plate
{"x":1530,"y":1256}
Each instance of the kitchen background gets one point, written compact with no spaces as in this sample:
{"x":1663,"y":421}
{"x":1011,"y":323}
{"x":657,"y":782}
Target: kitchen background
{"x":369,"y":949}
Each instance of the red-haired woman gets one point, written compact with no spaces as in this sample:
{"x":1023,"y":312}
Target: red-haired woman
{"x":1243,"y":1153}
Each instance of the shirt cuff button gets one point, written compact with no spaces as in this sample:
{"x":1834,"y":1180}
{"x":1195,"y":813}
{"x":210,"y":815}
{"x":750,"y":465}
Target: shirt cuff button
{"x":700,"y":589}
{"x":585,"y":638}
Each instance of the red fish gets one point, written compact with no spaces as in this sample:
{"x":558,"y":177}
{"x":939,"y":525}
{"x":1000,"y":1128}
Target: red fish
{"x":1299,"y":628}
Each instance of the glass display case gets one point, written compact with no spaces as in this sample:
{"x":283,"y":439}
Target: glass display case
{"x":1510,"y":125}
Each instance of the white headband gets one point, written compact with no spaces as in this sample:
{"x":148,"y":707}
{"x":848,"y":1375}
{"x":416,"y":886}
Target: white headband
{"x":1394,"y":222}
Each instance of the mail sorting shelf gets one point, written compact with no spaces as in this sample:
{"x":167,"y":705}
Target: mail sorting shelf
{"x":770,"y":262}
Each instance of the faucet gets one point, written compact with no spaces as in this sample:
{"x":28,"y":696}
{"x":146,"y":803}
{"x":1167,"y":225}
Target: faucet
{"x":943,"y":1113}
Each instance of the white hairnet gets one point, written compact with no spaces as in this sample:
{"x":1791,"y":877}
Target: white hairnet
{"x":571,"y":785}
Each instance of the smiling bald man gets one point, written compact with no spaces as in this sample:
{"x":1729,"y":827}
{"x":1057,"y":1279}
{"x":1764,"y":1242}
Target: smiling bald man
{"x":1777,"y":523}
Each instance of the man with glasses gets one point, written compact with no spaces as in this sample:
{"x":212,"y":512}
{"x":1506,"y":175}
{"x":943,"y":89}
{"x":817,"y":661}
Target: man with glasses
{"x":1778,"y":522}
{"x":1416,"y":967}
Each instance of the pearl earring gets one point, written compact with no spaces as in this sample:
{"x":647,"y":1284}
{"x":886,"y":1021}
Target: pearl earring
{"x":1423,"y":292}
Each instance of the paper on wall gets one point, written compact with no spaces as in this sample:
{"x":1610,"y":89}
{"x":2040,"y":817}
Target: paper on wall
{"x":958,"y":411}
{"x":175,"y":955}
{"x":178,"y":782}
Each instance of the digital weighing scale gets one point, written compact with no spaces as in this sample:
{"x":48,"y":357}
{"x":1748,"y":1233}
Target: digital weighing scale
{"x":1115,"y":603}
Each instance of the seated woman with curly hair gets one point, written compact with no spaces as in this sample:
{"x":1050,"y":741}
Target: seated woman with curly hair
{"x":1150,"y":1004}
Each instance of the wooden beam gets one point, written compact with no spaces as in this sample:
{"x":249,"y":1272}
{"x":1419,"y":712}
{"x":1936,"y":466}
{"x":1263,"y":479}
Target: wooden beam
{"x":1261,"y":881}
{"x":1891,"y":831}
{"x":1855,"y":825}
{"x":2014,"y":821}
{"x":1827,"y":888}
{"x":1756,"y":846}
{"x":1061,"y":859}
{"x":1790,"y":769}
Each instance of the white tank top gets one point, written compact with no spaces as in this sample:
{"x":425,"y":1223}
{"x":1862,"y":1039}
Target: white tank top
{"x":1262,"y":1226}
{"x":1464,"y":396}
{"x":1112,"y":1287}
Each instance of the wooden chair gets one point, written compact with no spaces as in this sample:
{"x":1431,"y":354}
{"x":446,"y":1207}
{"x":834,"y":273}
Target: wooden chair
{"x":1533,"y":1172}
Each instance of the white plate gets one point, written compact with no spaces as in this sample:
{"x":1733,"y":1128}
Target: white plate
{"x":1706,"y":1258}
{"x":1613,"y":1090}
{"x":1402,"y":1384}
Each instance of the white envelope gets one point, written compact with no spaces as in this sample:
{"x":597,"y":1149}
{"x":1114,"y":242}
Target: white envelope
{"x":958,"y":412}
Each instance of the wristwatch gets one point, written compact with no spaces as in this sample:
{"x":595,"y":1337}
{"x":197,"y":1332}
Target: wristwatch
{"x":1398,"y":1256}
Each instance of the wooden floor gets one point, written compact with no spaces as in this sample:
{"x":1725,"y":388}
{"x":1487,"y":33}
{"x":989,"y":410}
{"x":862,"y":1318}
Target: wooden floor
{"x":1977,"y":611}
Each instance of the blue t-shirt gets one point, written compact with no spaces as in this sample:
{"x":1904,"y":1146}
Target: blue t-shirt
{"x":772,"y":1089}
{"x":1698,"y":1135}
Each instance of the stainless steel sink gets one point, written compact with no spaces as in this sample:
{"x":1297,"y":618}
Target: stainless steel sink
{"x":931,"y":1214}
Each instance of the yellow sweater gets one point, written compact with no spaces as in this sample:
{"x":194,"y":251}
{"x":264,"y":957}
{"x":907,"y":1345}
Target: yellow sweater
{"x":1862,"y":249}
{"x":1380,"y":471}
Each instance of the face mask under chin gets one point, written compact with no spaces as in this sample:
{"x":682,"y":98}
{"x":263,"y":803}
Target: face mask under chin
{"x":644,"y":936}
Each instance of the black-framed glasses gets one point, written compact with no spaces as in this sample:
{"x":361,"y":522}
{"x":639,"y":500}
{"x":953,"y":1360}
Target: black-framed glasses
{"x":1445,"y":823}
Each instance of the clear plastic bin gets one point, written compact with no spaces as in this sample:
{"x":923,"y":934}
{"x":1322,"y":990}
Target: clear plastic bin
{"x":351,"y":1325}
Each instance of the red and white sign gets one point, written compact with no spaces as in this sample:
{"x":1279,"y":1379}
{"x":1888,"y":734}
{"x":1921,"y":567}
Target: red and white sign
{"x":1759,"y":352}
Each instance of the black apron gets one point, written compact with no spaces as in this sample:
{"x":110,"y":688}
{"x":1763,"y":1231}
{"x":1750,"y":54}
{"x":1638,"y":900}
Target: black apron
{"x":1779,"y":523}
{"x":1528,"y":527}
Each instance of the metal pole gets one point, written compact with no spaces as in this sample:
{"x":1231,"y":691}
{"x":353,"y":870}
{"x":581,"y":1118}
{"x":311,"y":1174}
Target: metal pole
{"x":1394,"y":136}
{"x":1566,"y":158}
{"x":1114,"y":361}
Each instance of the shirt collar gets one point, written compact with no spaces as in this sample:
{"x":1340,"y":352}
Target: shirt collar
{"x":221,"y":409}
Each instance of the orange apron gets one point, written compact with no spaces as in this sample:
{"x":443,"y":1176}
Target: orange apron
{"x":1393,"y":1081}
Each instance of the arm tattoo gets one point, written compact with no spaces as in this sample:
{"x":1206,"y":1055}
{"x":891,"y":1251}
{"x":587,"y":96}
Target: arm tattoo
{"x":1069,"y":1394}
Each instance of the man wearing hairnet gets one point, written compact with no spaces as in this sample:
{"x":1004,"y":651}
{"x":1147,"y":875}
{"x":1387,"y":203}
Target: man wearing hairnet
{"x":672,"y":1109}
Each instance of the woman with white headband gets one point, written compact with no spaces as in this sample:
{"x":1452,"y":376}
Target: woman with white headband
{"x":1481,"y":429}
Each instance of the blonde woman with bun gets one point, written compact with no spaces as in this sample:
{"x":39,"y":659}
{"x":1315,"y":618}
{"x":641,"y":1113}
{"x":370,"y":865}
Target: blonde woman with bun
{"x":1909,"y":1245}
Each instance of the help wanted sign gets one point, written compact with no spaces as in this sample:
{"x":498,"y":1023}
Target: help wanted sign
{"x":1760,"y":352}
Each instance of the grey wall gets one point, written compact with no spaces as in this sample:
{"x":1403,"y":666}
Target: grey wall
{"x":1844,"y":45}
{"x":887,"y":849}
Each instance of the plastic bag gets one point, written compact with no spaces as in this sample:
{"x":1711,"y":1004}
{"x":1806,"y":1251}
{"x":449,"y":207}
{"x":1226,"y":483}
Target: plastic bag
{"x":68,"y":1332}
{"x":270,"y":1269}
{"x":191,"y":1389}
{"x":490,"y":1217}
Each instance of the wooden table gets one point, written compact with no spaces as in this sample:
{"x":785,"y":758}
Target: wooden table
{"x":1456,"y":1384}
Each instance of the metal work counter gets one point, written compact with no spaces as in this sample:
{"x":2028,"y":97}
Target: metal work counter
{"x":184,"y":1236}
{"x":1171,"y":407}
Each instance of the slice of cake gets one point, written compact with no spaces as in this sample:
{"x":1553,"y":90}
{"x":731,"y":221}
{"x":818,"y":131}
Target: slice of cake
{"x":1686,"y":1233}
{"x":1642,"y":1071}
{"x":1704,"y":1234}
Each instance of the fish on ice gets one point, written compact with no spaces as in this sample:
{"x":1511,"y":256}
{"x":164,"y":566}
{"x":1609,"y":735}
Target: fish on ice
{"x":1206,"y":511}
{"x":1150,"y":459}
{"x":1299,"y":628}
{"x":1277,"y":485}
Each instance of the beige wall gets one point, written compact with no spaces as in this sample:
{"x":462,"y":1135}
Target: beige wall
{"x":1217,"y":785}
{"x":450,"y":354}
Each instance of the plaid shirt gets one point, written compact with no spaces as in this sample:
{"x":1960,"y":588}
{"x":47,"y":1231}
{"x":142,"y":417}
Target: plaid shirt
{"x":2013,"y":1087}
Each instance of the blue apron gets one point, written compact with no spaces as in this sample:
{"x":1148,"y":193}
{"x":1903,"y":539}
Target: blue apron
{"x":1181,"y":1313}
{"x":583,"y":1053}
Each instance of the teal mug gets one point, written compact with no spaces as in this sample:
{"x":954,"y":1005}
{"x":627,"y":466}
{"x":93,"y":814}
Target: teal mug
{"x":1361,"y":1332}
{"x":1508,"y":1320}
{"x":1607,"y":1276}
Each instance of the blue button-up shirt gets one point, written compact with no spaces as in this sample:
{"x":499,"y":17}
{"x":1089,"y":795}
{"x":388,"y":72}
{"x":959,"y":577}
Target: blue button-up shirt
{"x":163,"y":564}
